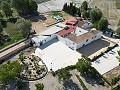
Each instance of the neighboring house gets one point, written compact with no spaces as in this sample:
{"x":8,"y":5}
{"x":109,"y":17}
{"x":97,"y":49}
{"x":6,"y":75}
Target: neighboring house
{"x":69,"y":33}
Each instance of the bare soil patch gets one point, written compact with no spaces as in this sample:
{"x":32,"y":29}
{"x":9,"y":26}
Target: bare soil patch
{"x":40,"y":23}
{"x":112,"y":73}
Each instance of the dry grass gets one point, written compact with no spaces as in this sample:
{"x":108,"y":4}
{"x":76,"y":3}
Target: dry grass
{"x":40,"y":23}
{"x":112,"y":74}
{"x":109,"y":10}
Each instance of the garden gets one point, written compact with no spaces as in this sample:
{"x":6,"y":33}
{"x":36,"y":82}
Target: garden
{"x":33,"y":67}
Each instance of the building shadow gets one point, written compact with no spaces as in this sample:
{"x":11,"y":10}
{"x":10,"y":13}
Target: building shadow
{"x":93,"y":47}
{"x":70,"y":85}
{"x":48,"y":44}
{"x":91,"y":80}
{"x":41,"y":1}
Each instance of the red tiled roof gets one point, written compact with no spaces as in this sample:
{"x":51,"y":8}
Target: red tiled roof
{"x":67,"y":30}
{"x":72,"y":20}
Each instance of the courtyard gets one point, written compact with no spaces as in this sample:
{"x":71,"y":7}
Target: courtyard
{"x":95,"y":48}
{"x":57,"y":55}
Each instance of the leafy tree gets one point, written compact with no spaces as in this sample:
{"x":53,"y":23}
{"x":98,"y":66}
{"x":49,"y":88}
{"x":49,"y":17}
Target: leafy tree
{"x":1,"y":29}
{"x":83,"y":65}
{"x":63,"y":74}
{"x":65,"y":7}
{"x":71,"y":8}
{"x":118,"y":52}
{"x":118,"y":31}
{"x":5,"y":6}
{"x":85,"y":14}
{"x":24,"y":7}
{"x":79,"y":12}
{"x":95,"y":15}
{"x":84,"y":6}
{"x":9,"y":71}
{"x":24,"y":26}
{"x":39,"y":86}
{"x":21,"y":57}
{"x":33,"y":5}
{"x":1,"y":16}
{"x":103,"y":24}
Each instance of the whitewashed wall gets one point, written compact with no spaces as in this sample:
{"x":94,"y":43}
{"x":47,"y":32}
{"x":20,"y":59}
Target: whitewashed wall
{"x":62,"y":39}
{"x":53,"y":36}
{"x":71,"y":44}
{"x":89,"y":40}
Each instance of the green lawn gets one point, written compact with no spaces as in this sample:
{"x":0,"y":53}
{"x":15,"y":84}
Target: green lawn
{"x":14,"y":34}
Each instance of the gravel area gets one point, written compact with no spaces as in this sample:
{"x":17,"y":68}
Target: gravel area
{"x":56,"y":5}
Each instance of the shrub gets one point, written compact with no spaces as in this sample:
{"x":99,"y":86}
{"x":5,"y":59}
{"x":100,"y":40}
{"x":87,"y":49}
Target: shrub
{"x":115,"y":80}
{"x":71,"y":67}
{"x":101,"y":82}
{"x":116,"y":88}
{"x":39,"y":86}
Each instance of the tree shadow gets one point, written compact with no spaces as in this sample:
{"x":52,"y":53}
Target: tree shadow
{"x":90,"y":80}
{"x":4,"y":24}
{"x":70,"y":85}
{"x":12,"y":20}
{"x":13,"y":85}
{"x":92,"y":77}
{"x":37,"y":18}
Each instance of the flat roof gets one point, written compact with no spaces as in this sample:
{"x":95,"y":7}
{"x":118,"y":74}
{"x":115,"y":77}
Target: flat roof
{"x":39,"y":38}
{"x":81,"y":23}
{"x":61,"y":25}
{"x":80,"y":31}
{"x":107,"y":62}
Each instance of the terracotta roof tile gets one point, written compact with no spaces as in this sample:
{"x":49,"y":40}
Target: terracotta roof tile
{"x":83,"y":37}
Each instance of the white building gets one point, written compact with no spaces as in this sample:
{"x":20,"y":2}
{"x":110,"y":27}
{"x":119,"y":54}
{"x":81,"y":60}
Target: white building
{"x":71,"y":35}
{"x":80,"y":37}
{"x":48,"y":35}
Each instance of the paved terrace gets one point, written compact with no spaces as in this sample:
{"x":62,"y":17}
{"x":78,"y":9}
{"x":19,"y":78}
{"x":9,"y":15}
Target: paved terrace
{"x":57,"y":53}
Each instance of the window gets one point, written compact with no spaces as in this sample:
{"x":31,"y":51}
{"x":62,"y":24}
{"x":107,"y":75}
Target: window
{"x":86,"y":40}
{"x":83,"y":45}
{"x":95,"y":36}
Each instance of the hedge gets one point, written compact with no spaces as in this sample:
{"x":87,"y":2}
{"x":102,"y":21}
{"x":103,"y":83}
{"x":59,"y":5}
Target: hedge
{"x":115,"y":80}
{"x":116,"y":88}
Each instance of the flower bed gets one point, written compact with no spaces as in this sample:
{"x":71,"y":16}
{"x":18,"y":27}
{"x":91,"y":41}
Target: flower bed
{"x":32,"y":70}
